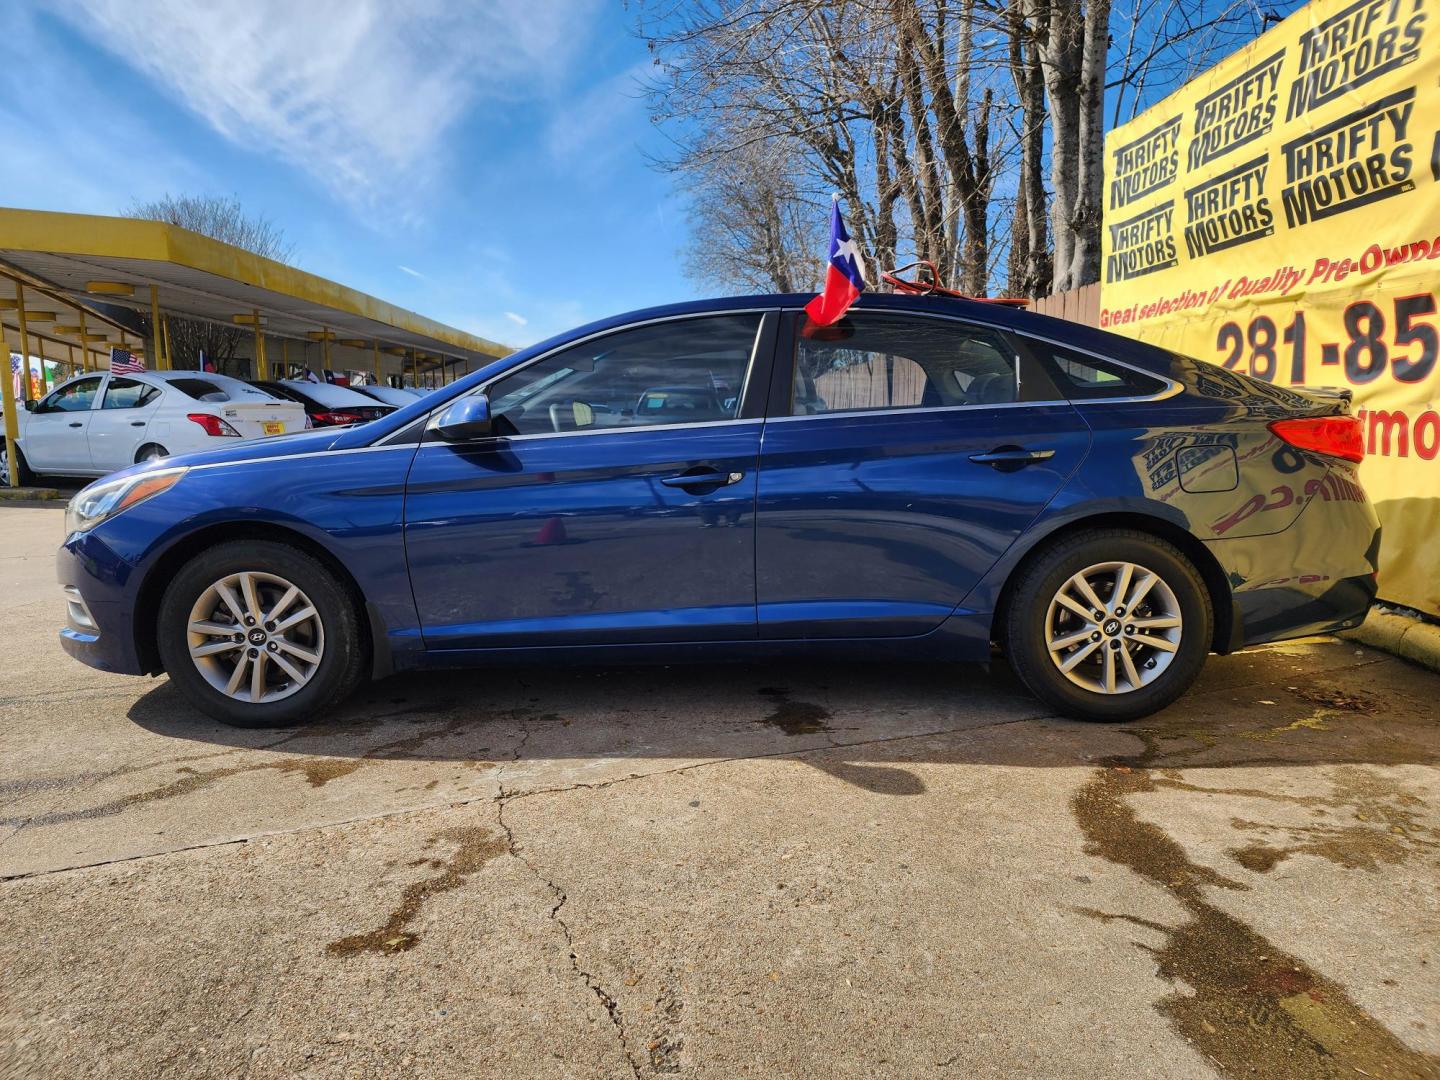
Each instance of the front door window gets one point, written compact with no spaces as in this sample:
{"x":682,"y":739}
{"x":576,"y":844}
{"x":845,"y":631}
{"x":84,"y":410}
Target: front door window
{"x":78,"y":396}
{"x":685,"y":371}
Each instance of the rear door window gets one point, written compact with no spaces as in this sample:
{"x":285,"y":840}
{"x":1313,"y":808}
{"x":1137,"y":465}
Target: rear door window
{"x":1083,"y":377}
{"x":874,"y":361}
{"x":125,"y":393}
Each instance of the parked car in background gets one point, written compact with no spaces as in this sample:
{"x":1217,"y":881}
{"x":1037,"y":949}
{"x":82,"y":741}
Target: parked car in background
{"x":94,"y":424}
{"x":326,"y":404}
{"x":388,"y":395}
{"x":925,"y":479}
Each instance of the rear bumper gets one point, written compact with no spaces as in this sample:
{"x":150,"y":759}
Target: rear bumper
{"x":1315,"y":577}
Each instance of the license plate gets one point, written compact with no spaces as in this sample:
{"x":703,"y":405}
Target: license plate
{"x":273,"y":427}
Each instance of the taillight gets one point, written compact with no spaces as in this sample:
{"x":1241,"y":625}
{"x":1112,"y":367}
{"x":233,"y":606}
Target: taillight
{"x":336,"y":417}
{"x":213,"y":425}
{"x":1338,"y":436}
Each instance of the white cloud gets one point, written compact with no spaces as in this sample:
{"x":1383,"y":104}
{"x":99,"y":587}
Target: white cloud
{"x":406,"y":270}
{"x":518,"y":320}
{"x":52,"y":160}
{"x":359,"y":93}
{"x":593,"y":124}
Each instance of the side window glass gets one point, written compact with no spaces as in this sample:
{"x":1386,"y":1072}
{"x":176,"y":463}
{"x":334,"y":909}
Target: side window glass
{"x":688,"y":371}
{"x":128,"y":394}
{"x":78,"y":396}
{"x":1081,"y":376}
{"x":874,"y":361}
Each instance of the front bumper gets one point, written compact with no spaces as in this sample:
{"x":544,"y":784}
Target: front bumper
{"x":104,"y":635}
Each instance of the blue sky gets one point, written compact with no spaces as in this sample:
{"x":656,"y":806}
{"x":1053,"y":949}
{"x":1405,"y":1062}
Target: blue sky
{"x":481,"y":164}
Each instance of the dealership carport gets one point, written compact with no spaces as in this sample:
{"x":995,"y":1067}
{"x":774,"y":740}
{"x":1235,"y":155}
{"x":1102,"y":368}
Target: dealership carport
{"x":65,"y":277}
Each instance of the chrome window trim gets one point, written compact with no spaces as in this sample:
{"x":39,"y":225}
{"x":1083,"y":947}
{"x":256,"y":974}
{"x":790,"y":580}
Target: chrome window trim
{"x":588,"y":432}
{"x":754,"y":345}
{"x":1171,"y":386}
{"x":909,"y":409}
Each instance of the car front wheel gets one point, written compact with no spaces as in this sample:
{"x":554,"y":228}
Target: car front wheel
{"x":1109,"y":624}
{"x":259,"y":634}
{"x":24,"y":477}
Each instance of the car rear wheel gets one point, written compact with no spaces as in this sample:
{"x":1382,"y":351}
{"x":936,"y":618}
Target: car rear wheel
{"x":259,"y":634}
{"x":1109,"y":625}
{"x":151,"y":452}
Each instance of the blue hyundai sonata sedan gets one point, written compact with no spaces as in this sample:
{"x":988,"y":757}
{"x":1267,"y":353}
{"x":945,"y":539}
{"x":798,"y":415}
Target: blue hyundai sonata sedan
{"x":926,"y":479}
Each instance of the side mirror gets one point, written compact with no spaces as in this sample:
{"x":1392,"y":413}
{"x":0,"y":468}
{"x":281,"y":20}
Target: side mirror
{"x":31,"y":404}
{"x":468,"y":418}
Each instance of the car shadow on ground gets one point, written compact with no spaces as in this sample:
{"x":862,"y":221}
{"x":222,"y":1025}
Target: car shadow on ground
{"x":1251,"y":709}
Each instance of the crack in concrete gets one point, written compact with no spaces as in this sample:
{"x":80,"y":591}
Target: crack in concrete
{"x":514,"y":796}
{"x":592,"y":983}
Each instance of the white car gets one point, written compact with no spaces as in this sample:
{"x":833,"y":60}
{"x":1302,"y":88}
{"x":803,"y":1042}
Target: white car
{"x":388,"y":394}
{"x":95,"y":424}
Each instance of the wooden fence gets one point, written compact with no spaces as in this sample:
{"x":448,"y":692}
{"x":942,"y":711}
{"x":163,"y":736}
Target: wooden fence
{"x":1080,"y":305}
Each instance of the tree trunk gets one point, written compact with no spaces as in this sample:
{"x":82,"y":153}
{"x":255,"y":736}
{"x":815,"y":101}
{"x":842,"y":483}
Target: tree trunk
{"x":1084,"y":265}
{"x":1032,"y":276}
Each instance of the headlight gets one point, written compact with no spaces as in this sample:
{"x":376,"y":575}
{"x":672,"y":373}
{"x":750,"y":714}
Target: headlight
{"x":100,"y":502}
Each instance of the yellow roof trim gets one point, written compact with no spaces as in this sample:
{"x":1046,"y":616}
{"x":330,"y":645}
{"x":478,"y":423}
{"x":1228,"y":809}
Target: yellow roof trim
{"x":96,"y":237}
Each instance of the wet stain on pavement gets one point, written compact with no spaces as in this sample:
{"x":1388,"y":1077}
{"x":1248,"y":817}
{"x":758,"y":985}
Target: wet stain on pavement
{"x":474,"y":847}
{"x":318,"y":771}
{"x":794,"y":717}
{"x":1247,"y":1005}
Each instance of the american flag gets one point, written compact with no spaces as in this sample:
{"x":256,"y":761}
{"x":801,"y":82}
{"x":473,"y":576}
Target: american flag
{"x":124,"y":362}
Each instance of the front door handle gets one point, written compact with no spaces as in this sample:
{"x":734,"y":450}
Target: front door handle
{"x":703,"y":477}
{"x":1010,"y":458}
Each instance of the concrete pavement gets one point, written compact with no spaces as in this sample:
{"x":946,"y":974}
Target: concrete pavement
{"x":765,"y":870}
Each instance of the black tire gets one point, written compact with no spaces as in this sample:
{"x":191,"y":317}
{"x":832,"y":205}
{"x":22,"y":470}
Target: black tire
{"x":23,"y":476}
{"x":1041,"y":578}
{"x":342,"y":661}
{"x":150,"y":451}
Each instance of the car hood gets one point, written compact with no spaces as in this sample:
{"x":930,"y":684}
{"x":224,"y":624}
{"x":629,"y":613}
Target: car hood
{"x":302,"y":442}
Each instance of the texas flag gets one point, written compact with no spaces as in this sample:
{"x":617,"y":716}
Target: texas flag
{"x":844,"y":278}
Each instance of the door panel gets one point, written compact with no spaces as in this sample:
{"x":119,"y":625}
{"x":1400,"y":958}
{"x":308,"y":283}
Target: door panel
{"x":118,"y":426}
{"x":576,"y":539}
{"x":877,"y":525}
{"x":56,"y":435}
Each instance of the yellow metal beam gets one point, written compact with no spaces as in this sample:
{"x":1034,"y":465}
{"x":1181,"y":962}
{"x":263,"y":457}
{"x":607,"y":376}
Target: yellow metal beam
{"x":160,"y":360}
{"x":262,"y":370}
{"x":24,"y":342}
{"x":110,"y":288}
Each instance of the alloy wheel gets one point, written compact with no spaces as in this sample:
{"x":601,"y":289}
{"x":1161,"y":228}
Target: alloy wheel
{"x":1113,"y":628}
{"x":255,"y":637}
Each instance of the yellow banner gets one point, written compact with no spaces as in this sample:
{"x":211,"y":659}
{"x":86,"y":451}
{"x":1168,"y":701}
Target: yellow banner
{"x":1280,"y":216}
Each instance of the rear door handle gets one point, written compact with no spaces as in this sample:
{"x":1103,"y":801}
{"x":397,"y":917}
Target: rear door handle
{"x":703,"y":477}
{"x":137,"y":423}
{"x":77,"y":423}
{"x":1010,"y":458}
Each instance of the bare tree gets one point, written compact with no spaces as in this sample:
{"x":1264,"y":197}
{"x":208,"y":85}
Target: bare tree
{"x":222,"y":219}
{"x":752,"y":228}
{"x":917,"y":112}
